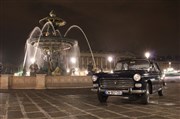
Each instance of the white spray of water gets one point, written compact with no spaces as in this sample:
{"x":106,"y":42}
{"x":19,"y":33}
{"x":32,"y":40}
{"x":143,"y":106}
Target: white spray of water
{"x":75,"y":26}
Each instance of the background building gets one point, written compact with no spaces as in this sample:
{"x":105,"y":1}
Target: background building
{"x":103,"y":60}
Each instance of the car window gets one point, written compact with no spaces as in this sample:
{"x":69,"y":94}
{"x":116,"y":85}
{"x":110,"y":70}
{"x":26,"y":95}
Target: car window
{"x":132,"y":65}
{"x":156,"y":68}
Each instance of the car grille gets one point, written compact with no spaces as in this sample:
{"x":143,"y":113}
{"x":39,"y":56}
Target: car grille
{"x":116,"y":83}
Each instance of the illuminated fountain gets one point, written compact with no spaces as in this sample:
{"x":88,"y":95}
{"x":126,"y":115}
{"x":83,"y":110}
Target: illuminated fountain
{"x":49,"y":49}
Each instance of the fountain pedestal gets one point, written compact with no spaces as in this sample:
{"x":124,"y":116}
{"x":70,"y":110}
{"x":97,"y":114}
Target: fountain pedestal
{"x":4,"y":81}
{"x":40,"y":81}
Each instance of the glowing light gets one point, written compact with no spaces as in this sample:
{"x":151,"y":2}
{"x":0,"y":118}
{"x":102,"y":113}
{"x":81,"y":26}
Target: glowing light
{"x":76,"y":71}
{"x":86,"y":72}
{"x":169,"y":64}
{"x":110,"y":59}
{"x":147,"y":55}
{"x":68,"y":70}
{"x":73,"y":60}
{"x":33,"y":60}
{"x":28,"y":73}
{"x":18,"y":73}
{"x":111,"y":71}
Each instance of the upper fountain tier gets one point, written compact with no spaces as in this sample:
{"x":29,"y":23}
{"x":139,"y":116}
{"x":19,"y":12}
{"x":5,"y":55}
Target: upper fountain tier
{"x":49,"y":37}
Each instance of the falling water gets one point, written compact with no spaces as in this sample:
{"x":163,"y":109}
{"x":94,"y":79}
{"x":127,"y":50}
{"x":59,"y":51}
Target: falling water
{"x":35,"y":31}
{"x":75,"y":26}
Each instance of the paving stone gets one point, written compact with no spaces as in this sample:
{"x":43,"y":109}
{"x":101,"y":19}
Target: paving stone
{"x":14,"y":114}
{"x":135,"y":113}
{"x":26,"y":103}
{"x":86,"y":117}
{"x":117,"y":108}
{"x":153,"y":117}
{"x":174,"y":116}
{"x":57,"y":114}
{"x":31,"y":108}
{"x":146,"y":110}
{"x":30,"y":104}
{"x":35,"y":115}
{"x":40,"y":102}
{"x":1,"y":117}
{"x":83,"y":106}
{"x":17,"y":108}
{"x":2,"y":111}
{"x":105,"y":114}
{"x":163,"y":113}
{"x":50,"y":109}
{"x":44,"y":105}
{"x":72,"y":111}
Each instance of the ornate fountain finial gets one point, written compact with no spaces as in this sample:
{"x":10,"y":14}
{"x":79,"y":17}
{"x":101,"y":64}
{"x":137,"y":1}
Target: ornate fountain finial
{"x":56,"y":21}
{"x":52,"y":13}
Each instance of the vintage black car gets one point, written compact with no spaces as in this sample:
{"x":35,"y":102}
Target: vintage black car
{"x":134,"y":78}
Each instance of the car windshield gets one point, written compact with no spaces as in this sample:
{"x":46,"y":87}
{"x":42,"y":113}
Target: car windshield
{"x":132,"y":65}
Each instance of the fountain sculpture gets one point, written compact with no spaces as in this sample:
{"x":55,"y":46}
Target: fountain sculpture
{"x":50,"y":50}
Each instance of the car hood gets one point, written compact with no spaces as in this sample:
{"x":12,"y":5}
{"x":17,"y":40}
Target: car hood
{"x":123,"y":74}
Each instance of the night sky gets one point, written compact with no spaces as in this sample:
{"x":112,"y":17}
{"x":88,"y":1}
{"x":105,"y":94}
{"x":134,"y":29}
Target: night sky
{"x":110,"y":25}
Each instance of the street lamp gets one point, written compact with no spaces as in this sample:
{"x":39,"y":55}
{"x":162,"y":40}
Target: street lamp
{"x":147,"y":55}
{"x":169,"y":64}
{"x":110,"y":59}
{"x":73,"y":60}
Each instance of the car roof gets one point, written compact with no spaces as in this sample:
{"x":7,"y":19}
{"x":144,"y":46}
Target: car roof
{"x":133,"y":59}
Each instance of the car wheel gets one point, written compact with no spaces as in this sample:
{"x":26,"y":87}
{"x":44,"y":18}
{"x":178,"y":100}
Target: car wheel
{"x":160,"y":92}
{"x":102,"y":97}
{"x":145,"y":96}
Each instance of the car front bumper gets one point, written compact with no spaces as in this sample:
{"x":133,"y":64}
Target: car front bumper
{"x":129,"y":91}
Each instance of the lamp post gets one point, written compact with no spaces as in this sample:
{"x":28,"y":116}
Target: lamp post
{"x":110,"y":59}
{"x":147,"y":55}
{"x":169,"y":64}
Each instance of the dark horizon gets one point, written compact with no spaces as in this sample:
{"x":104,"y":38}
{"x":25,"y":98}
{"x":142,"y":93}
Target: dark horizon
{"x":111,"y":26}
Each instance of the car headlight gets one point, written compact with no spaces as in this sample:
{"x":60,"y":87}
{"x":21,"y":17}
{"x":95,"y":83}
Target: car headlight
{"x":94,"y":78}
{"x":137,"y":77}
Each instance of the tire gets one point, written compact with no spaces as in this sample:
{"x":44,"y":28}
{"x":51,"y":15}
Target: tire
{"x":160,"y":92}
{"x":102,"y":97}
{"x":145,"y":96}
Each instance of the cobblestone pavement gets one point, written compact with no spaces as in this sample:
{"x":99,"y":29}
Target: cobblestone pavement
{"x":83,"y":104}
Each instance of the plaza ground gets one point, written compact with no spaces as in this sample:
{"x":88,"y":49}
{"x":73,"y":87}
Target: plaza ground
{"x":83,"y":104}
